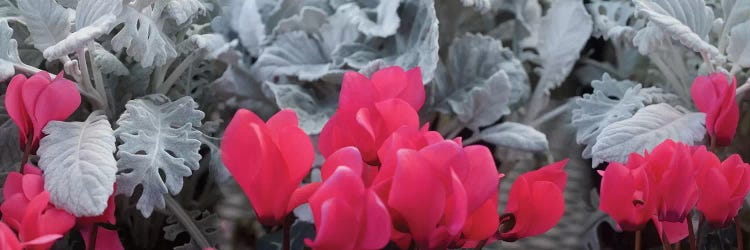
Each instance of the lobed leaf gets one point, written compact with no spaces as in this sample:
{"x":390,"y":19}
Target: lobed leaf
{"x":159,"y":136}
{"x":47,"y":21}
{"x":646,"y":129}
{"x":688,"y":21}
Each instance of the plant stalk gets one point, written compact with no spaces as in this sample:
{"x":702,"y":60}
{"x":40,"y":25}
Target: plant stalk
{"x":92,"y":237}
{"x":26,"y":152}
{"x":638,"y":239}
{"x":186,"y":221}
{"x":481,"y":244}
{"x":738,"y":230}
{"x":164,"y":87}
{"x":287,"y":229}
{"x":691,"y":234}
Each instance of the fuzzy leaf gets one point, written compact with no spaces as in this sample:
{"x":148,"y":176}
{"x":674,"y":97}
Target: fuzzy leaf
{"x":735,"y":12}
{"x":143,"y":38}
{"x":415,"y":43}
{"x":516,"y":136}
{"x":614,"y":22}
{"x":158,"y":135}
{"x":293,"y":54}
{"x":183,"y":10}
{"x":246,"y":21}
{"x":484,"y":79}
{"x":208,"y":224}
{"x":611,"y":101}
{"x":9,"y":9}
{"x":646,"y":129}
{"x":94,"y":18}
{"x":688,"y":21}
{"x":8,"y":51}
{"x":313,"y":113}
{"x":48,"y":22}
{"x":386,"y":23}
{"x":107,"y":62}
{"x":564,"y":31}
{"x":79,"y":164}
{"x":739,"y":45}
{"x":214,"y":46}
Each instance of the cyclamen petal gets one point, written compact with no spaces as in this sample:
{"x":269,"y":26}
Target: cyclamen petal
{"x":728,"y":182}
{"x":535,"y":202}
{"x":715,"y":96}
{"x":268,"y":161}
{"x":626,"y":195}
{"x":347,"y":215}
{"x":34,"y":102}
{"x":671,"y":167}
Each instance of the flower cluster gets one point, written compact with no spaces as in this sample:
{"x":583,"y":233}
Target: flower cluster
{"x":667,"y":183}
{"x":29,"y":219}
{"x":385,"y":178}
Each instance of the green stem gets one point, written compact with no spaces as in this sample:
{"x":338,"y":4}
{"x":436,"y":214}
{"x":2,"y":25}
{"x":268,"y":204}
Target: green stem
{"x":665,"y":241}
{"x":186,"y":221}
{"x":26,"y":152}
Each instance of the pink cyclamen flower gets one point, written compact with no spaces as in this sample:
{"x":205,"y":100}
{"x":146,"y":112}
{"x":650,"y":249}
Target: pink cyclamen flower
{"x":41,"y":226}
{"x":715,"y":96}
{"x":426,"y":197}
{"x":347,"y":214}
{"x":371,"y":109}
{"x":672,"y":171}
{"x":536,"y":202}
{"x":105,"y":238}
{"x":18,"y":192}
{"x":268,"y":160}
{"x":35,"y":101}
{"x":723,"y":186}
{"x":627,"y":194}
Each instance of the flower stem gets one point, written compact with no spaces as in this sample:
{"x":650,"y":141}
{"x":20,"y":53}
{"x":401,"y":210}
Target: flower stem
{"x":186,"y":221}
{"x":26,"y":152}
{"x":92,"y":237}
{"x":691,"y":234}
{"x":164,"y":87}
{"x":738,"y":230}
{"x":287,"y":228}
{"x":638,"y":239}
{"x":712,"y":145}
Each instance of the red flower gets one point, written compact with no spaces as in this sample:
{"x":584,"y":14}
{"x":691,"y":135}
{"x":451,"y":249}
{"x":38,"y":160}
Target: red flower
{"x":714,"y":96}
{"x":348,"y":215}
{"x":39,"y":229}
{"x":535,"y":203}
{"x":268,"y":160}
{"x":427,"y":198}
{"x":481,"y":182}
{"x":19,"y":190}
{"x":105,"y":238}
{"x":723,"y":186}
{"x":627,"y":195}
{"x":371,"y":109}
{"x":34,"y":102}
{"x":671,"y":168}
{"x":675,"y":231}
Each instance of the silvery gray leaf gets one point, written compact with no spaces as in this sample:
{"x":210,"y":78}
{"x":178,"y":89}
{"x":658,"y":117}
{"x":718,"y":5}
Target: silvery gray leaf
{"x":293,"y":54}
{"x":309,"y":20}
{"x":617,"y":22}
{"x":611,"y":101}
{"x":416,"y":41}
{"x":47,"y":21}
{"x":107,"y":62}
{"x":79,"y":164}
{"x":142,"y":38}
{"x":8,"y":51}
{"x":9,"y":10}
{"x":564,"y":31}
{"x":208,"y":223}
{"x":183,"y":10}
{"x":482,"y":79}
{"x":516,"y":136}
{"x":158,"y":135}
{"x":739,"y":45}
{"x":246,"y":21}
{"x":313,"y":112}
{"x":386,"y":18}
{"x":94,"y":18}
{"x":646,"y":129}
{"x":688,"y":21}
{"x":735,"y":12}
